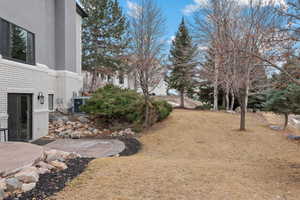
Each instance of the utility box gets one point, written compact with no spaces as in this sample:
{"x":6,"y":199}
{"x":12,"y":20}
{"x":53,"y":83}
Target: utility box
{"x":79,"y":101}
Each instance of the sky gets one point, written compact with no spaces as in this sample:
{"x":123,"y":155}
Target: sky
{"x":173,"y":10}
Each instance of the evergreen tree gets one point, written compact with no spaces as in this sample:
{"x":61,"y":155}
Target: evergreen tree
{"x":18,"y":38}
{"x":285,"y":101}
{"x":183,"y":66}
{"x":104,"y":34}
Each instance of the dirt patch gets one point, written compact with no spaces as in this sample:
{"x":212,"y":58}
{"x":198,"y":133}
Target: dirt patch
{"x":51,"y":183}
{"x":197,"y":155}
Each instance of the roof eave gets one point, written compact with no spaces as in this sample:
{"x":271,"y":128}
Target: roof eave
{"x":81,"y":11}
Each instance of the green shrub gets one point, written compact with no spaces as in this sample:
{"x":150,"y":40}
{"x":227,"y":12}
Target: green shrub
{"x":163,"y":109}
{"x":204,"y":107}
{"x":113,"y":103}
{"x":114,"y":106}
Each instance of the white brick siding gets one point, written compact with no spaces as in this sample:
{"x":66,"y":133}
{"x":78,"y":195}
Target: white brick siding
{"x":22,"y":78}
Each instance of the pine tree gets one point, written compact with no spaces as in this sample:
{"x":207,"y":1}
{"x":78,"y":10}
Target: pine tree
{"x":104,"y":34}
{"x":183,"y":66}
{"x":284,"y":101}
{"x":18,"y":38}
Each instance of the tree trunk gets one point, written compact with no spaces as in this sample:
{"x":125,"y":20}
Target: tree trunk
{"x":232,"y":100}
{"x":223,"y":101}
{"x":216,"y":81}
{"x":243,"y":110}
{"x":182,"y":99}
{"x":286,"y":120}
{"x":246,"y":97}
{"x":94,"y":78}
{"x":227,"y":97}
{"x":147,"y":112}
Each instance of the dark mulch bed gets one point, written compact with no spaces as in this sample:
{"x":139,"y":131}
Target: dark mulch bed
{"x":54,"y":182}
{"x":132,"y":146}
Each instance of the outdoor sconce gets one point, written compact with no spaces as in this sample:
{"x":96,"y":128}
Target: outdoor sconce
{"x":41,"y":98}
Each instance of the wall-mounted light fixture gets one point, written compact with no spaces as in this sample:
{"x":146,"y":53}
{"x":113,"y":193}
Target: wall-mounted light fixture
{"x":41,"y":98}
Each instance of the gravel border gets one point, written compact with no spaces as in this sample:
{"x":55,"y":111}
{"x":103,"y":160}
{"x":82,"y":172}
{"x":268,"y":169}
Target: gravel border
{"x":54,"y":182}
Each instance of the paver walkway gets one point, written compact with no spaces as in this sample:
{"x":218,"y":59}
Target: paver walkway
{"x":196,"y":155}
{"x":16,"y":155}
{"x":89,"y":147}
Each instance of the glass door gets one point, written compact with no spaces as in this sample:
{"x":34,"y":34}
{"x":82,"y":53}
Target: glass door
{"x":20,"y":117}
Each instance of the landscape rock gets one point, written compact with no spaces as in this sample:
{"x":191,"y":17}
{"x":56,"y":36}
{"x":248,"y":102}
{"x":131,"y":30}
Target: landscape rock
{"x":75,"y":135}
{"x":43,"y":171}
{"x":238,"y":109}
{"x":44,"y":165}
{"x":2,"y":184}
{"x":59,"y":165}
{"x":13,"y":184}
{"x":65,"y":134}
{"x":2,"y":194}
{"x":73,"y":155}
{"x":28,"y":187}
{"x":53,"y":155}
{"x":28,"y":175}
{"x":83,"y":119}
{"x":276,"y":128}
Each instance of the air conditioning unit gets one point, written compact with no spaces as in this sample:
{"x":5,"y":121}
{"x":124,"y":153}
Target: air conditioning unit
{"x":78,"y":102}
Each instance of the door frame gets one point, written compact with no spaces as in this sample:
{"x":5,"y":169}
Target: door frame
{"x":29,"y":135}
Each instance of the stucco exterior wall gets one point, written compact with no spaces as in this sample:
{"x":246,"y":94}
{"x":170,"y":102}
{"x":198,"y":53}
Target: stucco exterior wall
{"x":54,"y":24}
{"x":57,"y":29}
{"x":36,"y":16}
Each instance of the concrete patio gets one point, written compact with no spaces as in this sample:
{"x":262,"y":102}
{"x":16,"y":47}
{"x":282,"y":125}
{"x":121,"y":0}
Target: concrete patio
{"x":97,"y":148}
{"x":16,"y":155}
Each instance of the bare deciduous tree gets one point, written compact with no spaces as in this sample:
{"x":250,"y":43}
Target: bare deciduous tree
{"x":147,"y":29}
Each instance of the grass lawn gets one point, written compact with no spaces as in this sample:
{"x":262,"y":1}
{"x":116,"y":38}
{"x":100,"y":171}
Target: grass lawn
{"x":196,"y":155}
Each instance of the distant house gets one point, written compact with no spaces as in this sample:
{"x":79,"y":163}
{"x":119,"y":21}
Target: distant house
{"x":40,"y":63}
{"x":127,"y":80}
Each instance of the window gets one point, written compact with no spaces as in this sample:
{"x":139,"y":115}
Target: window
{"x":51,"y":102}
{"x":16,"y":43}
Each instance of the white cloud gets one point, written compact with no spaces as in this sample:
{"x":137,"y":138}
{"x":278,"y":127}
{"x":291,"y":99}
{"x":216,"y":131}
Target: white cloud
{"x":172,"y":38}
{"x":191,"y":8}
{"x":197,"y":4}
{"x":133,"y":9}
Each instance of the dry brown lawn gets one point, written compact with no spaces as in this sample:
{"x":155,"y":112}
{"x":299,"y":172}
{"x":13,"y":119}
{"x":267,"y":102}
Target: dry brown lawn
{"x":196,"y":155}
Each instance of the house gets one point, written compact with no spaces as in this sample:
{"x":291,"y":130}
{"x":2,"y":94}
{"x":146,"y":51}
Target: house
{"x":40,"y":63}
{"x":127,"y":80}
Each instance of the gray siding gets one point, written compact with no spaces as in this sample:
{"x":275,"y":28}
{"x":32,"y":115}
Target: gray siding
{"x":54,"y":24}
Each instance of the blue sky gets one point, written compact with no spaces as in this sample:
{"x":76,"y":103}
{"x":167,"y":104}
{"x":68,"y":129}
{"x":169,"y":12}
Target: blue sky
{"x":173,"y":11}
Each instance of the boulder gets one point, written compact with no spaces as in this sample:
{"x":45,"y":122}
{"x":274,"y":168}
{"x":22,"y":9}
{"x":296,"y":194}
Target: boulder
{"x":2,"y":184}
{"x":28,"y":187}
{"x":13,"y":184}
{"x":65,"y":134}
{"x":2,"y":194}
{"x":28,"y":175}
{"x":59,"y":165}
{"x":276,"y":128}
{"x":44,"y":165}
{"x":75,"y":135}
{"x":43,"y":171}
{"x":95,"y":131}
{"x":83,"y":119}
{"x":73,"y":155}
{"x":53,"y":155}
{"x":238,"y":109}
